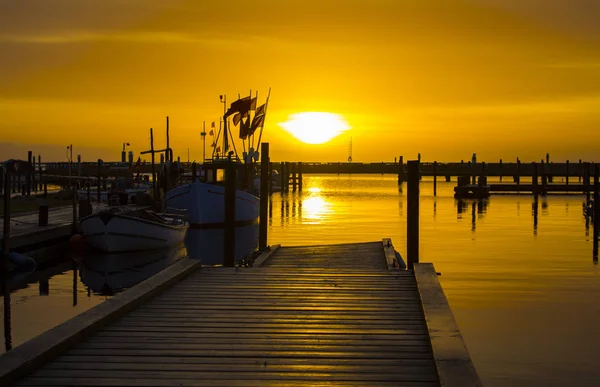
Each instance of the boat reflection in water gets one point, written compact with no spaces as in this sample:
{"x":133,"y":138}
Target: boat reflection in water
{"x":108,"y":274}
{"x":207,"y":245}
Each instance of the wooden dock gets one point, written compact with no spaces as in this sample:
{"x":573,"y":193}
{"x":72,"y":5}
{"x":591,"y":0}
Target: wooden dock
{"x":314,"y":315}
{"x":26,"y":233}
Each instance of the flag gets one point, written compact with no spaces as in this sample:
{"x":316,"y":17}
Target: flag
{"x":212,"y":125}
{"x":212,"y":132}
{"x":257,"y":122}
{"x":261,"y":109}
{"x":218,"y":149}
{"x":245,"y":129}
{"x":242,"y":105}
{"x":213,"y":145}
{"x":238,"y":117}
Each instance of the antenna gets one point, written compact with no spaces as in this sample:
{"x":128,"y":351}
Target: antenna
{"x":350,"y":150}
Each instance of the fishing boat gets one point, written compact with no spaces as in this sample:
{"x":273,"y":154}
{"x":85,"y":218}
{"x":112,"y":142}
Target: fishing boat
{"x":121,"y":229}
{"x":204,"y":201}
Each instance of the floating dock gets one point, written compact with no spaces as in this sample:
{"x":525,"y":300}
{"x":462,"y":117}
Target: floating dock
{"x":313,"y":315}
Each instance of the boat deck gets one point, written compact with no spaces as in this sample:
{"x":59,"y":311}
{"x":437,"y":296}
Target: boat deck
{"x":314,"y":315}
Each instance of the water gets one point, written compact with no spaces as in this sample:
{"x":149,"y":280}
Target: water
{"x":522,"y":284}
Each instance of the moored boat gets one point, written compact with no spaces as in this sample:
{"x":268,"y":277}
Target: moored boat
{"x":119,"y":230}
{"x":205,"y":204}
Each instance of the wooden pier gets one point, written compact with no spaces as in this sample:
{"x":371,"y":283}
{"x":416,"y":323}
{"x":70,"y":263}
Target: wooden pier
{"x":314,"y":315}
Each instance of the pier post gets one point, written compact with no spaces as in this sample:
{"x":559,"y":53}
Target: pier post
{"x":286,"y":176}
{"x":435,"y":178}
{"x":401,"y":175}
{"x":596,"y":202}
{"x":98,"y":178}
{"x":29,"y":172}
{"x":78,"y":165}
{"x":294,"y":182}
{"x":40,"y":170}
{"x":229,"y":238}
{"x":586,"y":182}
{"x":4,"y":261}
{"x":567,"y":175}
{"x":500,"y":170}
{"x":300,"y":176}
{"x":580,"y":170}
{"x":264,"y":195}
{"x":544,"y":178}
{"x":534,"y":180}
{"x":270,"y":178}
{"x":412,"y":216}
{"x":282,"y":176}
{"x":75,"y":195}
{"x":43,"y":215}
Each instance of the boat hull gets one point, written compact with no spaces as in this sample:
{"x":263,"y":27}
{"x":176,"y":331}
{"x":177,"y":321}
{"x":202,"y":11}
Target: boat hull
{"x":205,"y":205}
{"x":120,"y":233}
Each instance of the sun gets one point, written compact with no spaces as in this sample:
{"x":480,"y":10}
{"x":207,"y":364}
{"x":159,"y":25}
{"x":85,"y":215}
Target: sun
{"x":315,"y":127}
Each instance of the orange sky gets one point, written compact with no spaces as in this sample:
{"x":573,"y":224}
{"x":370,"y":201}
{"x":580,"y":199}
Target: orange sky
{"x":503,"y":78}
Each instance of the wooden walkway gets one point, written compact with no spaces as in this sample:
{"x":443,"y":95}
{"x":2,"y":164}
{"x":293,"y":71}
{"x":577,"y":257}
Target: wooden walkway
{"x":25,"y":231}
{"x":316,"y":315}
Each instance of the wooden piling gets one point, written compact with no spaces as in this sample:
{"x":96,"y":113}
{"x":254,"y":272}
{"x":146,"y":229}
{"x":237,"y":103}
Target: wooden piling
{"x":586,"y":182}
{"x":270,"y":179}
{"x":518,"y":177}
{"x":300,"y":176}
{"x":264,"y":195}
{"x":412,"y":216}
{"x":580,"y":170}
{"x":286,"y":176}
{"x":4,"y":262}
{"x":435,"y":178}
{"x":500,"y":170}
{"x":596,"y":201}
{"x":98,"y":178}
{"x":29,"y":174}
{"x":75,"y":194}
{"x":294,"y":182}
{"x":282,"y":176}
{"x":401,"y":174}
{"x":40,"y":171}
{"x":534,"y":180}
{"x":567,"y":175}
{"x":229,"y":238}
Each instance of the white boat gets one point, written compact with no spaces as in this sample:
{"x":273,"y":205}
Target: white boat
{"x":118,"y":230}
{"x":205,"y":205}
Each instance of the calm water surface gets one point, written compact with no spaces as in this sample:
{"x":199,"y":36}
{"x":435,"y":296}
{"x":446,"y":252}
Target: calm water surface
{"x":522,"y":284}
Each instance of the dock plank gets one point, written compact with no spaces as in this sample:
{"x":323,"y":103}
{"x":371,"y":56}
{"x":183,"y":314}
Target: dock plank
{"x":313,"y":315}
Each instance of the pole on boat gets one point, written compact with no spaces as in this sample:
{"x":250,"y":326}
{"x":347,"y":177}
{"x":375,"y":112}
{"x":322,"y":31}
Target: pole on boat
{"x":4,"y":260}
{"x":412,"y":216}
{"x":264,"y":195}
{"x":596,"y":200}
{"x":154,"y":191}
{"x":98,"y":180}
{"x":229,"y":237}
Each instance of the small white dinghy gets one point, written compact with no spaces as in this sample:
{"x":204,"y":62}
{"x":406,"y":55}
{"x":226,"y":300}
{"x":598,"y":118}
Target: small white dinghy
{"x":120,"y":230}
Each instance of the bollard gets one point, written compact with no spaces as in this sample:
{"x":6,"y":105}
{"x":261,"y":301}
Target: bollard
{"x":43,"y":215}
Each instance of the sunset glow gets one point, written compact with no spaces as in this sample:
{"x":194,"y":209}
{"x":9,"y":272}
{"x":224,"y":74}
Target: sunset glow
{"x":315,"y":128}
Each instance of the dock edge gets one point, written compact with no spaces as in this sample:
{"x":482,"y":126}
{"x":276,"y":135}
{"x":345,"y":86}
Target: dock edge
{"x":452,"y":360}
{"x":30,"y":355}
